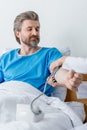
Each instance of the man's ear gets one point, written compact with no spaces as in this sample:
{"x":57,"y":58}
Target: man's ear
{"x":17,"y":34}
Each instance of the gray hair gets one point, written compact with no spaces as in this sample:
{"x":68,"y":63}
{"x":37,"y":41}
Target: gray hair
{"x":28,"y":15}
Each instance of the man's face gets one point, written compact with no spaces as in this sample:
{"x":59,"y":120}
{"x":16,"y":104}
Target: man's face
{"x":30,"y":33}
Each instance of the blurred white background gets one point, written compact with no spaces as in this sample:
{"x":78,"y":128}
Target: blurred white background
{"x":63,"y":23}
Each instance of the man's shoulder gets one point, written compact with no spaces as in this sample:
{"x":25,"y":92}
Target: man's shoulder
{"x":9,"y":52}
{"x":50,"y":48}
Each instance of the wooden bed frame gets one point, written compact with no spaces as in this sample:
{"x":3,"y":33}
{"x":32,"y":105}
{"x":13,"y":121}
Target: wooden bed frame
{"x":71,"y":96}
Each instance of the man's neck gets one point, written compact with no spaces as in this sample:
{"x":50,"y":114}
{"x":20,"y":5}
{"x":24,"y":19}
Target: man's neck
{"x":28,"y":50}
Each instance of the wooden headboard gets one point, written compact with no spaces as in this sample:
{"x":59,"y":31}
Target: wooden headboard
{"x":71,"y":96}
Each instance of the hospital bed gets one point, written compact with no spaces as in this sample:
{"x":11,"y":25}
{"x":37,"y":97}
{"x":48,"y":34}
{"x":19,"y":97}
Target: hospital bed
{"x":58,"y":115}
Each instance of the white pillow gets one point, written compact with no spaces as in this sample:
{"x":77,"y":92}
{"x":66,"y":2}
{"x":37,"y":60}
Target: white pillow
{"x":66,"y":51}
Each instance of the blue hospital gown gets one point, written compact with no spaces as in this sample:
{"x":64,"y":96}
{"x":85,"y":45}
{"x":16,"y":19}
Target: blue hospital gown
{"x":32,"y":69}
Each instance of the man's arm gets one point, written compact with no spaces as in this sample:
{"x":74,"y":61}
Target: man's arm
{"x":70,"y":79}
{"x":67,"y":78}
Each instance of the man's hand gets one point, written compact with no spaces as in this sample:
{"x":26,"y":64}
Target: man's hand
{"x":70,"y":79}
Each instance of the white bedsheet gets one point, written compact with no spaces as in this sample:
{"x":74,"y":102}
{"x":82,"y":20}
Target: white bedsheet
{"x":58,"y":115}
{"x":82,"y":127}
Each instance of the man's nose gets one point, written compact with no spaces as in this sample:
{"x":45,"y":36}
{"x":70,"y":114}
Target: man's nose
{"x":34,"y":32}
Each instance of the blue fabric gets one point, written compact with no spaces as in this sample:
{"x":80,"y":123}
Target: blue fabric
{"x":32,"y":69}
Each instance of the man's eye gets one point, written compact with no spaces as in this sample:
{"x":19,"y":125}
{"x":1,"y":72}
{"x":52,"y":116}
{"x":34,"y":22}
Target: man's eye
{"x":37,"y":29}
{"x":29,"y":29}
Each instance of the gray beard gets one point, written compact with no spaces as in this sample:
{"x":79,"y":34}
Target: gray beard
{"x":34,"y":44}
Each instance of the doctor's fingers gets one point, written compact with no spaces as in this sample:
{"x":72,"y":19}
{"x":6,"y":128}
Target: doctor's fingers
{"x":75,"y":83}
{"x":78,"y":76}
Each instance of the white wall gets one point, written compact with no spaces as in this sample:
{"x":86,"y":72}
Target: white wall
{"x":63,"y":23}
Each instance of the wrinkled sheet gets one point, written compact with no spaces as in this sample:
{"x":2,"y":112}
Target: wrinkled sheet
{"x":57,"y":114}
{"x":82,"y":127}
{"x":82,"y":90}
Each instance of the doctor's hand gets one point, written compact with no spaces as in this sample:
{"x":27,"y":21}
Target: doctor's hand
{"x":56,"y":63}
{"x":52,"y":81}
{"x":68,"y":78}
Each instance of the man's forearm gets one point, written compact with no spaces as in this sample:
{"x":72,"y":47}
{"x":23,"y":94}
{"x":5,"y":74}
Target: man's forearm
{"x":69,"y":79}
{"x":60,"y":76}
